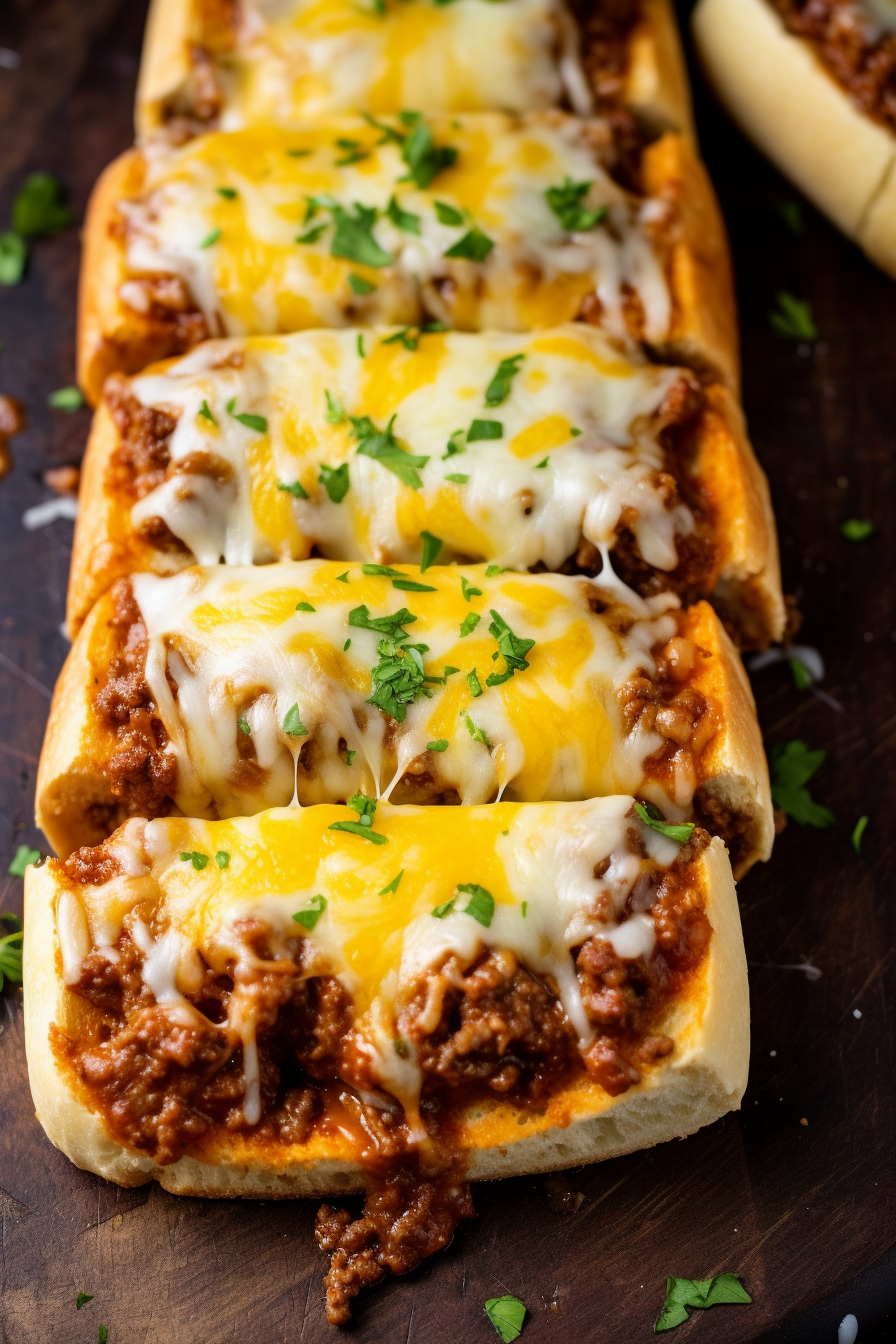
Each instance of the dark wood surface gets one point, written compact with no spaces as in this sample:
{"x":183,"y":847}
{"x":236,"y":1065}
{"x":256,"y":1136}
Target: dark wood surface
{"x":797,"y":1209}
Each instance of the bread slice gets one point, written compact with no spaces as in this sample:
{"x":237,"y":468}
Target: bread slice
{"x":558,"y":729}
{"x":702,"y":1078}
{"x":685,"y":272}
{"x":286,"y":382}
{"x":778,"y":91}
{"x":653,"y":86}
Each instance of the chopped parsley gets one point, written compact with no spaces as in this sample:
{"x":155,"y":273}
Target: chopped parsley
{"x":383,"y":447}
{"x":473,"y":246}
{"x":802,"y":677}
{"x":473,"y":682}
{"x":198,"y":859}
{"x":510,"y":647}
{"x":498,"y":389}
{"x":653,"y":817}
{"x":102,"y":1335}
{"x":358,"y":285}
{"x":469,"y":623}
{"x":507,"y":1315}
{"x":453,"y":446}
{"x":441,"y":744}
{"x":398,"y":678}
{"x":312,"y":235}
{"x":365,"y":808}
{"x":468,"y":590}
{"x":11,"y":952}
{"x":431,"y":547}
{"x":393,"y":625}
{"x":409,"y":337}
{"x":244,"y":726}
{"x":525,"y":905}
{"x":211,"y":238}
{"x":684,"y":1294}
{"x":24,"y":856}
{"x":457,"y":478}
{"x":447,"y":214}
{"x":222,"y":859}
{"x":346,"y":646}
{"x":485,"y":429}
{"x":360,"y":346}
{"x":335,"y":481}
{"x":66,"y":399}
{"x":792,"y":318}
{"x":481,"y":905}
{"x":294,"y":488}
{"x":856,"y":529}
{"x":293,"y":724}
{"x":792,"y":214}
{"x":308,"y":918}
{"x":392,"y":886}
{"x":13,"y":256}
{"x":353,"y":239}
{"x":441,"y":911}
{"x":352,"y":152}
{"x":478,"y":734}
{"x":256,"y":422}
{"x":347,"y":756}
{"x":82,"y":1299}
{"x":424,"y":158}
{"x":206,"y":413}
{"x":343,"y":577}
{"x":858,"y":832}
{"x":493,"y":571}
{"x":792,"y":766}
{"x":229,"y":193}
{"x":305,"y":606}
{"x":539,"y":466}
{"x":334,"y":414}
{"x":402,"y":219}
{"x":299,"y":153}
{"x":39,"y":208}
{"x":567,"y":203}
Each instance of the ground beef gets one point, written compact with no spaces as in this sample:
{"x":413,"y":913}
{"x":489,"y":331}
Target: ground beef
{"x":408,"y":1215}
{"x":606,"y":29}
{"x":141,"y":457}
{"x":140,"y":773}
{"x":859,"y":55}
{"x":498,"y":1026}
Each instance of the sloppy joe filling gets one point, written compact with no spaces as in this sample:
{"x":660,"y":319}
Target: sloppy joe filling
{"x":858,"y":50}
{"x":254,"y":1032}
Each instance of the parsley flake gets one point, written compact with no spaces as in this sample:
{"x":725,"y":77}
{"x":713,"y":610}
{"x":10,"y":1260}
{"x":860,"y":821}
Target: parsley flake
{"x":507,"y":1315}
{"x":229,"y":193}
{"x":792,"y":766}
{"x":24,"y":856}
{"x":493,"y":571}
{"x":481,"y":905}
{"x":539,"y":466}
{"x":13,"y":256}
{"x":441,"y":911}
{"x":469,"y":623}
{"x":292,"y":724}
{"x":653,"y":817}
{"x":102,"y":1335}
{"x":308,"y":918}
{"x":441,"y":744}
{"x":211,"y":238}
{"x":858,"y":832}
{"x":457,"y":477}
{"x":365,"y":808}
{"x":256,"y":422}
{"x":431,"y":547}
{"x":792,"y":214}
{"x":857,"y":529}
{"x":312,"y":235}
{"x":39,"y":209}
{"x":392,"y":886}
{"x":447,"y":214}
{"x":206,"y":413}
{"x":402,"y":219}
{"x":792,"y":318}
{"x":473,"y":682}
{"x":360,"y":346}
{"x":222,"y":859}
{"x":454,"y":446}
{"x":197,"y":858}
{"x":11,"y":952}
{"x":358,"y":285}
{"x":82,"y":1299}
{"x":353,"y":237}
{"x":305,"y":606}
{"x":334,"y":414}
{"x":335,"y":481}
{"x":424,"y":158}
{"x":383,"y":447}
{"x":66,"y":399}
{"x":478,"y":734}
{"x":485,"y":429}
{"x":684,"y":1294}
{"x":510,"y":647}
{"x":498,"y":389}
{"x":244,"y":726}
{"x":468,"y":590}
{"x":294,"y":488}
{"x":473,"y":246}
{"x":567,"y":203}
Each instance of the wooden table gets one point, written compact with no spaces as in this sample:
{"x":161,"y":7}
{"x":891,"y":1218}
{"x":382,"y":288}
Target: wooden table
{"x":795,"y":1192}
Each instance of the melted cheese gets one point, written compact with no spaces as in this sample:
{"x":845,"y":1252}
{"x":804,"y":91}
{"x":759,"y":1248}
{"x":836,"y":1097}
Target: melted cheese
{"x":508,"y":509}
{"x":235,"y":647}
{"x":310,"y":58}
{"x":239,"y":255}
{"x":537,"y":862}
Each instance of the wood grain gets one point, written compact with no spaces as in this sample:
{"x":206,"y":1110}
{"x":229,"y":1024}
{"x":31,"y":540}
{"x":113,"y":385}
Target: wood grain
{"x":797,"y":1209}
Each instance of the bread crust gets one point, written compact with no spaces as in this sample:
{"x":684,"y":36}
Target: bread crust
{"x":656,"y":87}
{"x":703,"y":1079}
{"x":73,"y":797}
{"x":778,"y":91}
{"x":747,"y":591}
{"x":703,"y":334}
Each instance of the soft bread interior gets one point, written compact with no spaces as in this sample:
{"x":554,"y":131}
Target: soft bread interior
{"x":779,"y":93}
{"x":703,"y":1079}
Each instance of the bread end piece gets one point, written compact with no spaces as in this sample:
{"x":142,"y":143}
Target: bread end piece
{"x":657,"y":90}
{"x":776,"y":88}
{"x":704,"y":1079}
{"x":171,"y":26}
